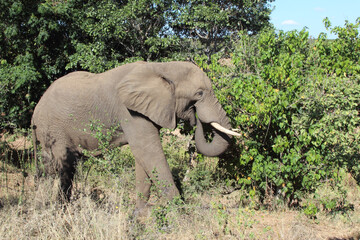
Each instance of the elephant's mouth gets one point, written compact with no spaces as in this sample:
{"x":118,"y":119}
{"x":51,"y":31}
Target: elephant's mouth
{"x":189,"y":115}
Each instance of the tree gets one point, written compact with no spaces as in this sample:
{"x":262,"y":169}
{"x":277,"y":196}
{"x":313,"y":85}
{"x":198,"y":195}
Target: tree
{"x":41,"y":40}
{"x":113,"y":31}
{"x":33,"y":51}
{"x":214,"y":22}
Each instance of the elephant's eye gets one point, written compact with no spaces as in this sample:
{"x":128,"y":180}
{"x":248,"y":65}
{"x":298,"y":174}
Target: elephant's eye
{"x":199,"y":94}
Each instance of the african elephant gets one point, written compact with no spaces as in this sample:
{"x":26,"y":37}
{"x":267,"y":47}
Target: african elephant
{"x":141,"y":98}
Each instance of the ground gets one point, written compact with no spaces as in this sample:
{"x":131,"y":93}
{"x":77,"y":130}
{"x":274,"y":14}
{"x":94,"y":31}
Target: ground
{"x":103,"y":206}
{"x":209,"y":215}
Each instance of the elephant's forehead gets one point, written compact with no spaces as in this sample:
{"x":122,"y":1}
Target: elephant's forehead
{"x":183,"y":73}
{"x":195,"y":79}
{"x":201,"y":78}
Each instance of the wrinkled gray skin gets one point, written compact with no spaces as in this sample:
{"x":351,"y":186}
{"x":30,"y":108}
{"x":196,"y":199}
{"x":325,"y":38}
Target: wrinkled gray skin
{"x":142,"y":98}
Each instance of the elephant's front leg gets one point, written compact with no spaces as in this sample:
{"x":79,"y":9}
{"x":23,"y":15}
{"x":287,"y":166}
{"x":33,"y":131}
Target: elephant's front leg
{"x":143,"y":184}
{"x":144,"y":140}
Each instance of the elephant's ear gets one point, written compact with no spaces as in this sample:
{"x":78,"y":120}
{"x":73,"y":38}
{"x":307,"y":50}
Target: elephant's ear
{"x":148,"y":93}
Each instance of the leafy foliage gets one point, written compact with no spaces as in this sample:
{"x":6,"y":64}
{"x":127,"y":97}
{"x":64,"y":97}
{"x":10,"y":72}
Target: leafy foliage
{"x":296,"y":99}
{"x":42,"y":40}
{"x":33,"y":51}
{"x":111,"y":160}
{"x":212,"y":22}
{"x":298,"y":108}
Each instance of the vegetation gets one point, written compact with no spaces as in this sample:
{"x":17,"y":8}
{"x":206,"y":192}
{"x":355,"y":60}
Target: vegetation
{"x":297,"y":102}
{"x":295,"y":99}
{"x":42,"y":40}
{"x":103,"y":205}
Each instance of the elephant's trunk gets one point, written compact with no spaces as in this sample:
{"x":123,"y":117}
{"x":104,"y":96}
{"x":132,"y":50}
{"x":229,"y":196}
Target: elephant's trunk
{"x":209,"y":111}
{"x":214,"y":148}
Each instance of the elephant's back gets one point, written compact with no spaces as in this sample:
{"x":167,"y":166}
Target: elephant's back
{"x":65,"y":97}
{"x":72,"y":83}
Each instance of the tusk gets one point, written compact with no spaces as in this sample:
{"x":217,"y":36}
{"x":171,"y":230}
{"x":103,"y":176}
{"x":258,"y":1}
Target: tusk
{"x":224,"y":130}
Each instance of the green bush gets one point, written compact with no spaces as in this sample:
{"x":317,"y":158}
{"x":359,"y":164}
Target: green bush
{"x":16,"y":87}
{"x":297,"y":103}
{"x":106,"y":159}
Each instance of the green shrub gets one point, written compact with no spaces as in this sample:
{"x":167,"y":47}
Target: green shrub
{"x":16,"y":86}
{"x":340,"y":56}
{"x":106,"y":159}
{"x":297,"y":106}
{"x":311,"y":210}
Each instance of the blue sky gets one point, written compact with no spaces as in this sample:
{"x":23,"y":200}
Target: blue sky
{"x":297,"y":14}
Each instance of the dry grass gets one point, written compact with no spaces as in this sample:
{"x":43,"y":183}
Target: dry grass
{"x":103,"y":207}
{"x":106,"y":213}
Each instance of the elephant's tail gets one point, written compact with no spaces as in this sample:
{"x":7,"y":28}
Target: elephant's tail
{"x":34,"y":140}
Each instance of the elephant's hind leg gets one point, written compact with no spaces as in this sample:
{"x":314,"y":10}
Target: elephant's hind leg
{"x":67,"y":172}
{"x":60,"y":161}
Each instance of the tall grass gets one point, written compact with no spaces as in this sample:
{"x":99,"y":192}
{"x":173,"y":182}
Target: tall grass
{"x":103,"y":204}
{"x":207,"y":216}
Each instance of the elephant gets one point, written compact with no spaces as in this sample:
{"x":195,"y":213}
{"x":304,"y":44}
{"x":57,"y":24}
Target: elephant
{"x":141,"y":98}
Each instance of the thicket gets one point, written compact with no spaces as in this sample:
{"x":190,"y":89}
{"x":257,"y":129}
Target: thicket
{"x":296,"y":99}
{"x":297,"y":102}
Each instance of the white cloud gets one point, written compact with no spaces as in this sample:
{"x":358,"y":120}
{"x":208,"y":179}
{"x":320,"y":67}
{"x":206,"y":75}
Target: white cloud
{"x":319,"y":9}
{"x":289,"y":22}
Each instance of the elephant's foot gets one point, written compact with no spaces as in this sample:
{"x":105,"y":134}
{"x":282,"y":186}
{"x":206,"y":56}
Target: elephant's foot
{"x":142,"y":213}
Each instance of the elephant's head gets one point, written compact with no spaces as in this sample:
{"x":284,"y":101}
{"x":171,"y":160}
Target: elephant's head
{"x":164,"y":92}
